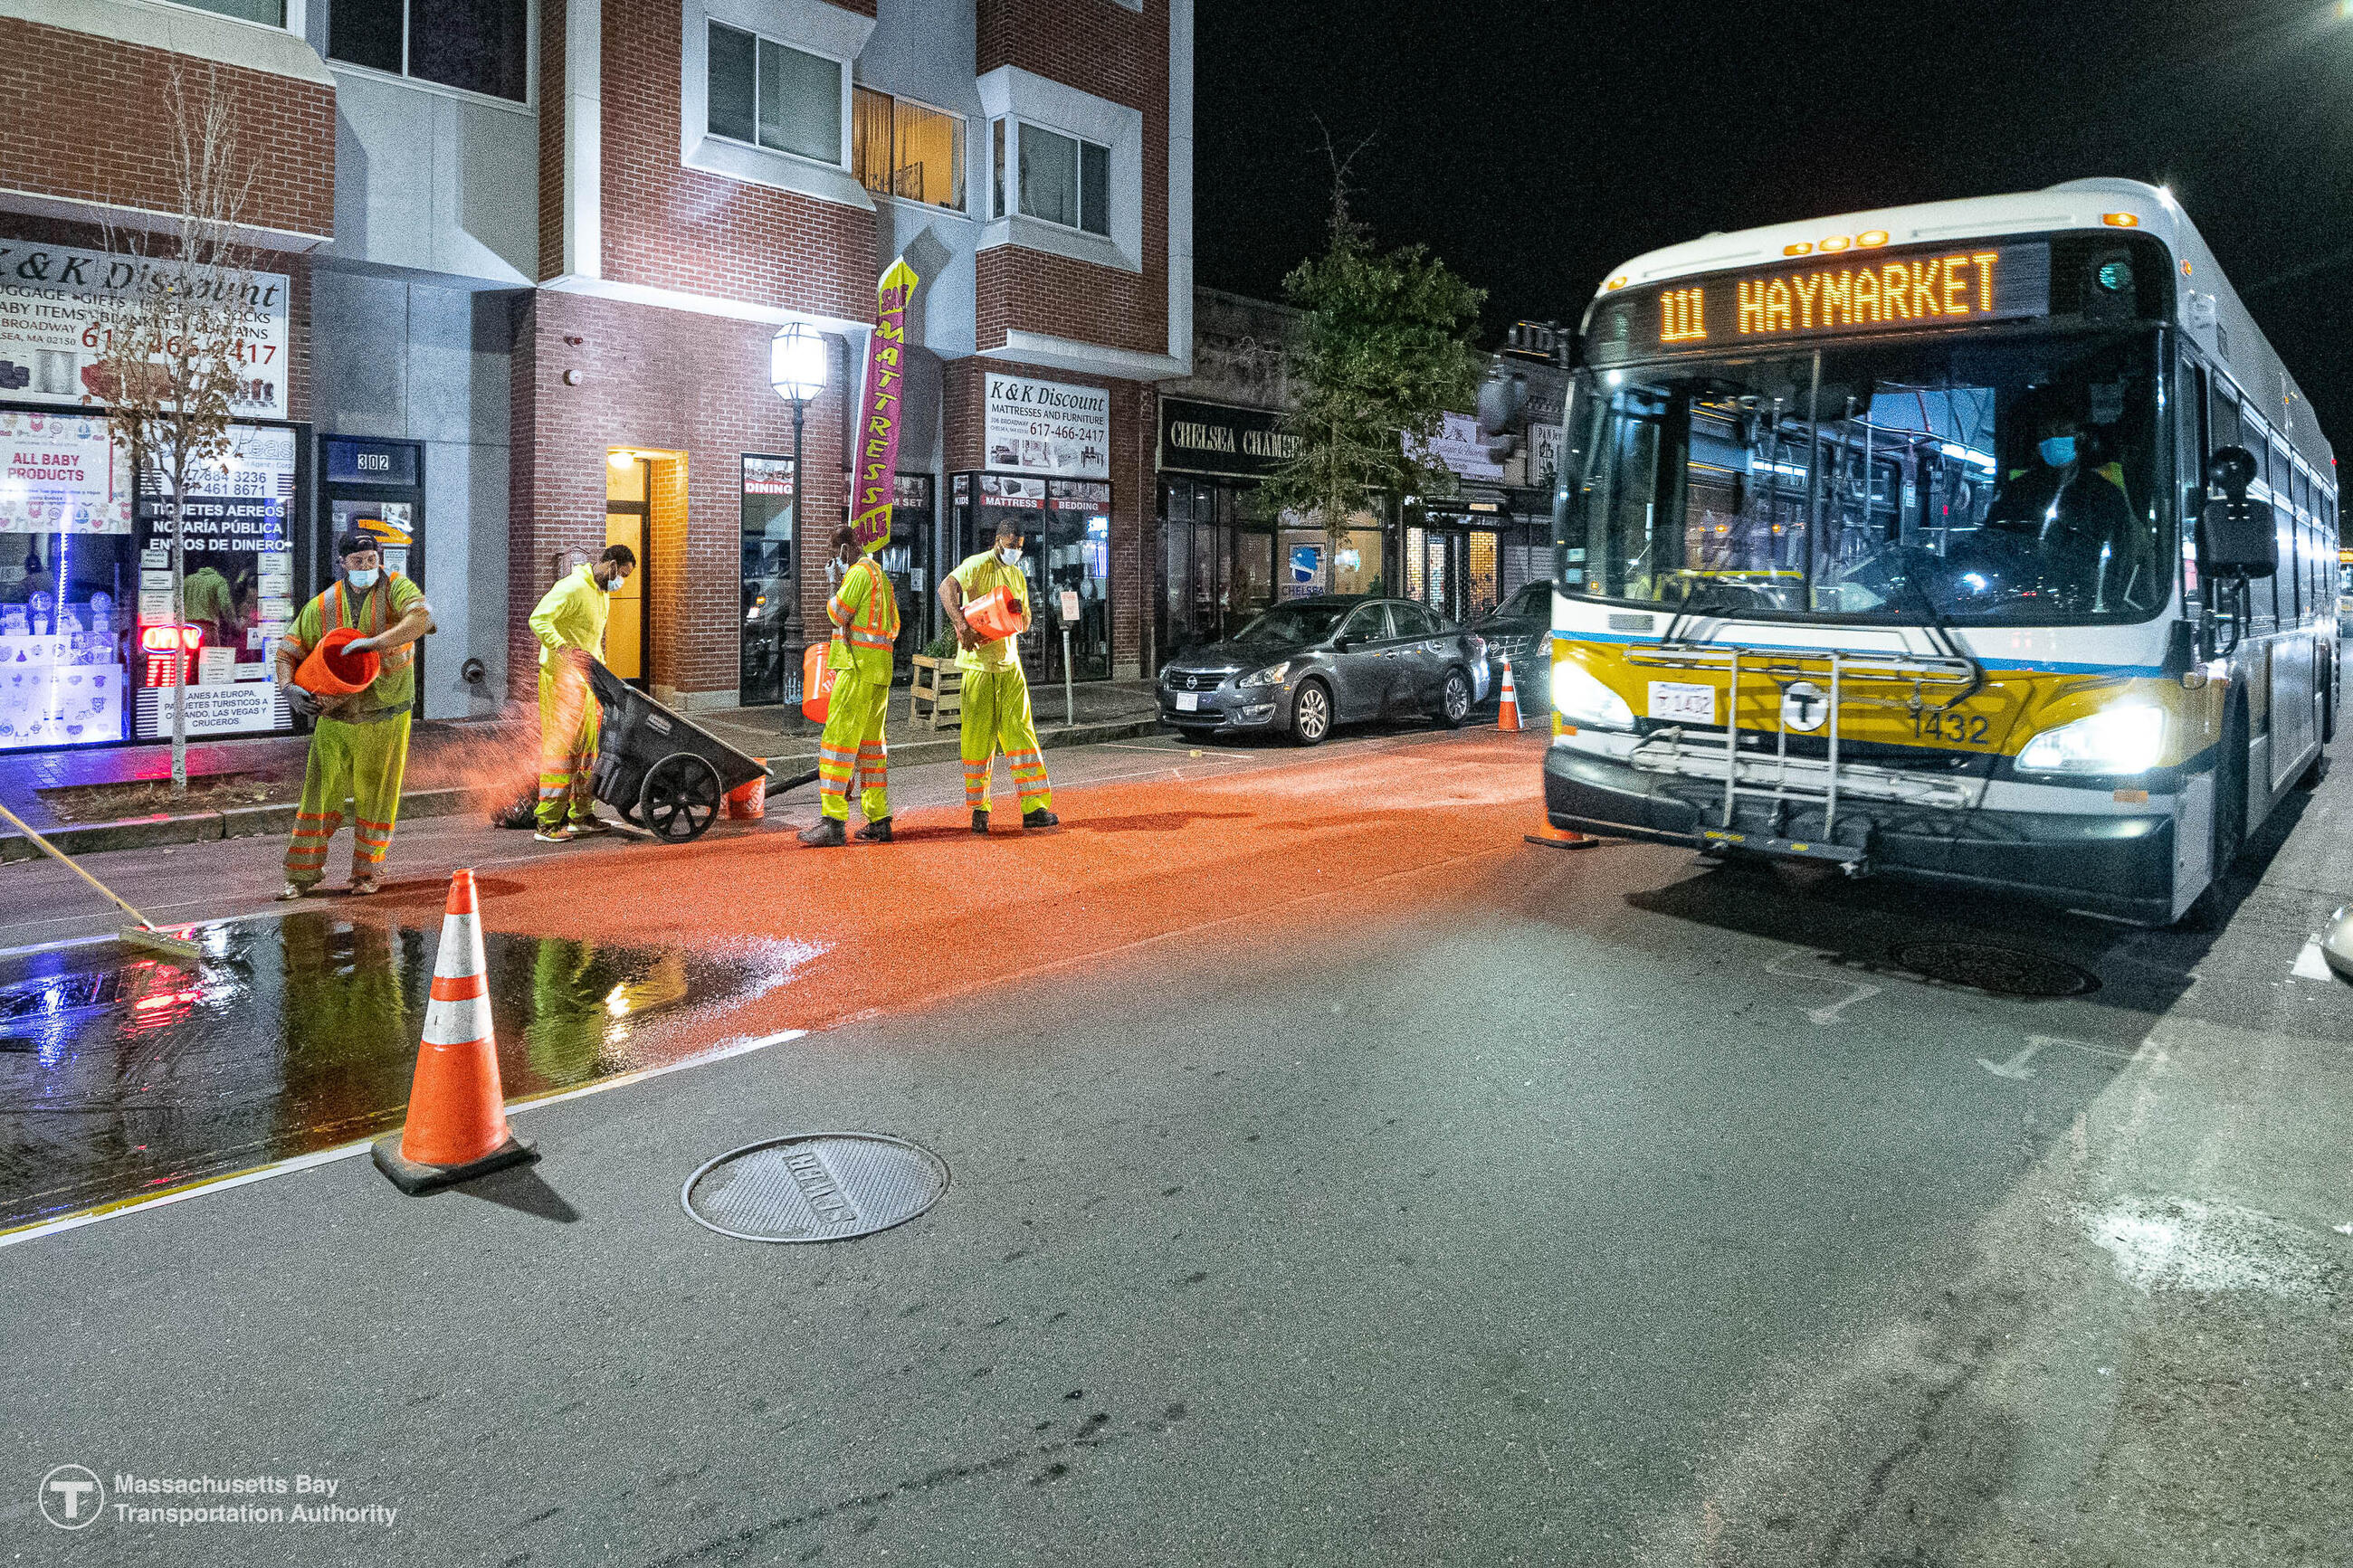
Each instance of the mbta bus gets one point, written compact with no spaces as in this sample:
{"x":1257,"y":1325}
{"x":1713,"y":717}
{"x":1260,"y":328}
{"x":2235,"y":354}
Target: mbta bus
{"x":1984,"y":542}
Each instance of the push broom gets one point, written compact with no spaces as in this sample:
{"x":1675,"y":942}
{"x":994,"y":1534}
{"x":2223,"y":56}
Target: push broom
{"x":142,"y":934}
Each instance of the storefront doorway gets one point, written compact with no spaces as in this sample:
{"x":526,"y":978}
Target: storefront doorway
{"x":376,"y":489}
{"x":1463,"y":564}
{"x":629,"y":516}
{"x":1217,"y":569}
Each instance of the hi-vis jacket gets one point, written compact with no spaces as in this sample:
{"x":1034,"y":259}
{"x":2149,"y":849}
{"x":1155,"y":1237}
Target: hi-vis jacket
{"x":865,"y":614}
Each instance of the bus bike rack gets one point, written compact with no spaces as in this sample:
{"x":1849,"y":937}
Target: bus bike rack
{"x":1783,"y":666}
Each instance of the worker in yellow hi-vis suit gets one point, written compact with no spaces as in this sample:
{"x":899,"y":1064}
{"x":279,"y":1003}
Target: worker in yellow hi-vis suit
{"x":997,"y":716}
{"x":865,"y":614}
{"x":569,"y":623}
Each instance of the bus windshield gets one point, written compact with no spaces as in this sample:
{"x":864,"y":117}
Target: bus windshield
{"x":1989,"y":480}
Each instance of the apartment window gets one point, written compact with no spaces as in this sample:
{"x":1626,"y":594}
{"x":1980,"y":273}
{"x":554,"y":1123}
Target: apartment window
{"x":1064,"y":180}
{"x":901,"y":148}
{"x":272,"y":12}
{"x":774,"y":95}
{"x":996,"y":207}
{"x":480,"y":45}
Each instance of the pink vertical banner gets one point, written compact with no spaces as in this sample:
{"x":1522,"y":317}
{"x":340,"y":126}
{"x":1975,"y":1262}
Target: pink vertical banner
{"x":877,"y":445}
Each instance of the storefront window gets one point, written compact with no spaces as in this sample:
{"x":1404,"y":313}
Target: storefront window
{"x":240,"y":590}
{"x":1065,"y":527}
{"x":767,"y":547}
{"x":69,"y":576}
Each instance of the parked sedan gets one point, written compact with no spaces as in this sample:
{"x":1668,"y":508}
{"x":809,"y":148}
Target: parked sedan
{"x":1520,"y":630}
{"x":1305,"y":665}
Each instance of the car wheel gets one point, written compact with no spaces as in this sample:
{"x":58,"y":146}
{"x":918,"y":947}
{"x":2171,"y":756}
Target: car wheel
{"x":1311,"y":714}
{"x":1454,"y":702}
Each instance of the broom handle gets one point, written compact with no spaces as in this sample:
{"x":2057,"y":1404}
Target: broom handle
{"x":67,"y":861}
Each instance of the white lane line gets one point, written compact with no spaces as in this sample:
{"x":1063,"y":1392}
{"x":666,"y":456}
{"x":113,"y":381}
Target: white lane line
{"x":345,"y":1150}
{"x":1829,"y":1015}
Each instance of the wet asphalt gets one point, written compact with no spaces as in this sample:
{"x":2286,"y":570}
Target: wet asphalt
{"x":1526,"y":1206}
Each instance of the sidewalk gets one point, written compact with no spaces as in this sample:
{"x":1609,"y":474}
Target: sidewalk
{"x":459,"y":765}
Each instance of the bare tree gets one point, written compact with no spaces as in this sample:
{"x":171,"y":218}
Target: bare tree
{"x":176,"y":345}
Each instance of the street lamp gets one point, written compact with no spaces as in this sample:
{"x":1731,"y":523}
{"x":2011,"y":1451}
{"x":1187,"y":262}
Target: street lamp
{"x":796,"y":366}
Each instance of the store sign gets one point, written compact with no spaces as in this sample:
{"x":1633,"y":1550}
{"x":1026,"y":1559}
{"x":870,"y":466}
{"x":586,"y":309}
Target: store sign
{"x":229,"y":707}
{"x":51,"y":297}
{"x":877,"y":449}
{"x":370,"y":462}
{"x":1048,"y":427}
{"x":1457,"y":446}
{"x":1215,"y":439}
{"x":61,"y":473}
{"x":768,"y":476}
{"x":1543,"y":455}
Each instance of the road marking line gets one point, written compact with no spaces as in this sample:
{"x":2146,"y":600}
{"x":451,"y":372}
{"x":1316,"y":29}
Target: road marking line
{"x":1830,"y":1015}
{"x":110,"y":1210}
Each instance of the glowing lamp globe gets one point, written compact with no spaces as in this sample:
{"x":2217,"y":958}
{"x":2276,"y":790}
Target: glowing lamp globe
{"x":797,"y":363}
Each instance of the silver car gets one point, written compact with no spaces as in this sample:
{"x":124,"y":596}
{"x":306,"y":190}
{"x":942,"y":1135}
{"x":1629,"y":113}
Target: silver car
{"x":1305,"y":665}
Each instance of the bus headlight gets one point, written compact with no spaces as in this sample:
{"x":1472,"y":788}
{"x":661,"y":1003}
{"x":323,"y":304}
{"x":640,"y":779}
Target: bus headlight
{"x":1584,"y":701}
{"x":2120,"y":741}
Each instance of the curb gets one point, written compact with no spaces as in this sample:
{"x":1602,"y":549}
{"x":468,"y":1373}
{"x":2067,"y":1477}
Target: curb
{"x":204,"y":827}
{"x":266,"y":821}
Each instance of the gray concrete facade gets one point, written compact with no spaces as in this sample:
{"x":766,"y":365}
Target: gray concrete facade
{"x":408,"y":359}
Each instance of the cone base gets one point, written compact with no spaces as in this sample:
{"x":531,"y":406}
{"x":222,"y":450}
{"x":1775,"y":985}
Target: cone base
{"x":413,"y":1178}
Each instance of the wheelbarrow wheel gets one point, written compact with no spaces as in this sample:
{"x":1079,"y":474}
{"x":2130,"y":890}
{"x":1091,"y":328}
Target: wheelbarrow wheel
{"x":680,"y":799}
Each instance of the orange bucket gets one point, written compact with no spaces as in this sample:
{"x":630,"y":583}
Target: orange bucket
{"x":749,"y":803}
{"x":995,"y":615}
{"x":816,"y":684}
{"x":328,"y":671}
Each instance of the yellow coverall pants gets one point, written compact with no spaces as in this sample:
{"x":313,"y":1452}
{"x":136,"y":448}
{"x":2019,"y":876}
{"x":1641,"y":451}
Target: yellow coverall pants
{"x":363,"y":762}
{"x":568,"y":722}
{"x":853,"y":743}
{"x":996,"y":718}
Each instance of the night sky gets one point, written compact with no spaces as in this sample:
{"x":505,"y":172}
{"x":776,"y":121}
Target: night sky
{"x":1535,"y":145}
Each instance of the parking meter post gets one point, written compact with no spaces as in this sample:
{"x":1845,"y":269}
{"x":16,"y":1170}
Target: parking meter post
{"x":1070,"y":713}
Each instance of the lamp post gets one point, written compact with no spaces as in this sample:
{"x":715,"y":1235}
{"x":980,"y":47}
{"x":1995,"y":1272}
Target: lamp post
{"x":796,"y":366}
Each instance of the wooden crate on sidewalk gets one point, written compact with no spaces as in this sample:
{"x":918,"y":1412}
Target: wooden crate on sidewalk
{"x":935,"y":697}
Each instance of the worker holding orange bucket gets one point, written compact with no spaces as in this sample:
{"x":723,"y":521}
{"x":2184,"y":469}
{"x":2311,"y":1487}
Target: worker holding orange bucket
{"x":349,"y":661}
{"x":987,"y":602}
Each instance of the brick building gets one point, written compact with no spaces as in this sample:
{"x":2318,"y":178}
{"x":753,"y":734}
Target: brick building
{"x":535,"y":252}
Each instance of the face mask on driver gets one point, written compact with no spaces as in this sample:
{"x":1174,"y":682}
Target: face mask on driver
{"x":363,"y":580}
{"x":2058,"y":450}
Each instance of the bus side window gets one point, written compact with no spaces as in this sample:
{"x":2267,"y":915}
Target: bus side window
{"x":2223,"y":426}
{"x":2291,"y":551}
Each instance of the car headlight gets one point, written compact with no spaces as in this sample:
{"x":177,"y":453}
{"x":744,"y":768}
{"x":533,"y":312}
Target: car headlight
{"x":1580,"y":700}
{"x":2120,"y":741}
{"x":1270,"y":676}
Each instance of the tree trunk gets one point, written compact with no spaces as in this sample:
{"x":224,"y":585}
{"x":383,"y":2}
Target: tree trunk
{"x":179,"y":618}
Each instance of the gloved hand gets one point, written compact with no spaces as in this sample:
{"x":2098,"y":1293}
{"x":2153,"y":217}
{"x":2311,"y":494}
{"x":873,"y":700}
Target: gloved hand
{"x":302,"y":700}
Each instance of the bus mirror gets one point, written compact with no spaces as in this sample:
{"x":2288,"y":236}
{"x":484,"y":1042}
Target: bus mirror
{"x":2239,"y":538}
{"x":2230,"y":469}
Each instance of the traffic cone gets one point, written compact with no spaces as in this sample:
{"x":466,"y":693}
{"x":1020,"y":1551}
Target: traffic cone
{"x":1507,"y":716}
{"x":1560,"y":838}
{"x":457,"y":1127}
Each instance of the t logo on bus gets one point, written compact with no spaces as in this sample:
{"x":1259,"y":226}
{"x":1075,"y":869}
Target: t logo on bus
{"x":1803,"y":707}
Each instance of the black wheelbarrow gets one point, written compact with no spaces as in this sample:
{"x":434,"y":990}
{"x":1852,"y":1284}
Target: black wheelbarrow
{"x":658,"y":768}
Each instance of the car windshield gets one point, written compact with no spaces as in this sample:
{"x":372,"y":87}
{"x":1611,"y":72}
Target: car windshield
{"x":1536,"y":599}
{"x":1293,"y":624}
{"x":1991,"y":481}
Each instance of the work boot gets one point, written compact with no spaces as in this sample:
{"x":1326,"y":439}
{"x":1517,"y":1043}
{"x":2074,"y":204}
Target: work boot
{"x":827,"y":835}
{"x":980,"y":822}
{"x":1040,"y":817}
{"x":559,"y":834}
{"x":582,"y":826}
{"x":875,"y":832}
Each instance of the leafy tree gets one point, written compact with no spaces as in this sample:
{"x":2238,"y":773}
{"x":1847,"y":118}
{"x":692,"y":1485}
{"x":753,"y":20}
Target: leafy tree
{"x":1386,"y":354}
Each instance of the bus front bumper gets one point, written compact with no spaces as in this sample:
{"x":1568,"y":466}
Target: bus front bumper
{"x":2119,"y":866}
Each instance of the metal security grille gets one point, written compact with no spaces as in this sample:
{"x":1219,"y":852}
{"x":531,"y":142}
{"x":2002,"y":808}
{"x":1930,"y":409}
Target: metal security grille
{"x":814,"y":1186}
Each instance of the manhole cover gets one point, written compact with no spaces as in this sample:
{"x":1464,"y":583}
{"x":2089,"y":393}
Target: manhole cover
{"x":2004,"y":970}
{"x":816,"y":1186}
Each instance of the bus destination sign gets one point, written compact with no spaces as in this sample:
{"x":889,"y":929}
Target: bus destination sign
{"x":1980,"y":282}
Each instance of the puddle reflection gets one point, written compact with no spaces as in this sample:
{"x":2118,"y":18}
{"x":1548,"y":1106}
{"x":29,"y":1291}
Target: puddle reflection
{"x":122,"y":1072}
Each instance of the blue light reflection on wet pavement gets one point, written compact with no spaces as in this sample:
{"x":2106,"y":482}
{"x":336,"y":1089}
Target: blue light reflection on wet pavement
{"x":124,"y":1072}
